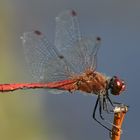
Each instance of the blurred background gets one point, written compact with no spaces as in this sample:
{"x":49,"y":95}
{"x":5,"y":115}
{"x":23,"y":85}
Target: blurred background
{"x":28,"y":116}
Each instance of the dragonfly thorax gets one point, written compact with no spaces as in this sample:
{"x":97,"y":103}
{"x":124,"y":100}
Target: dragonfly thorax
{"x":92,"y":82}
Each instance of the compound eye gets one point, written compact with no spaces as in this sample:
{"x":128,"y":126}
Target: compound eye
{"x":118,"y":83}
{"x":123,"y":87}
{"x":117,"y":86}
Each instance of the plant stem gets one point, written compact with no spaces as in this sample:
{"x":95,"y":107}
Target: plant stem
{"x":119,"y":115}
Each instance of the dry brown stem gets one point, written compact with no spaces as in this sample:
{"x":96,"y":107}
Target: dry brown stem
{"x":119,"y":114}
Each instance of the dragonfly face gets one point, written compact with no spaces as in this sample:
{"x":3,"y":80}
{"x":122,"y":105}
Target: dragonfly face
{"x":116,"y":85}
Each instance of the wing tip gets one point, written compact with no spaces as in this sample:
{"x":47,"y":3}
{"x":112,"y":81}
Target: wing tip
{"x":27,"y":34}
{"x":69,"y":12}
{"x":73,"y":13}
{"x":37,"y":32}
{"x":98,"y":38}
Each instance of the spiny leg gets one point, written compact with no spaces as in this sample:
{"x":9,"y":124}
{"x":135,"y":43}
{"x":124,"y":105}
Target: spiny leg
{"x":105,"y":106}
{"x":110,"y":100}
{"x":111,"y":111}
{"x":94,"y":113}
{"x":101,"y":104}
{"x":100,"y":107}
{"x":113,"y":103}
{"x":117,"y":103}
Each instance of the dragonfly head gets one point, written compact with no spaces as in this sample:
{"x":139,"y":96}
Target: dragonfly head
{"x":116,"y":85}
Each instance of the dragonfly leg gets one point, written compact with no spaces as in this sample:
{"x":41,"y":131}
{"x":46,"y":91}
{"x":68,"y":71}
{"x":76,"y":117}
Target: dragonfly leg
{"x":110,"y":100}
{"x":100,"y":108}
{"x":105,"y":106}
{"x":94,"y":115}
{"x":117,"y":103}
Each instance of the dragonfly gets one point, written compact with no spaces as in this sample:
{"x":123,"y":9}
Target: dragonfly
{"x":68,"y":65}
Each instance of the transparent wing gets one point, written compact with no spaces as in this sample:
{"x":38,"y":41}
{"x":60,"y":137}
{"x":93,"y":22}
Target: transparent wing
{"x":44,"y":61}
{"x":79,"y":52}
{"x":85,"y":53}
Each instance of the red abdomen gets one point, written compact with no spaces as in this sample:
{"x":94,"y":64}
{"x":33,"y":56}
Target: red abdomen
{"x":64,"y":85}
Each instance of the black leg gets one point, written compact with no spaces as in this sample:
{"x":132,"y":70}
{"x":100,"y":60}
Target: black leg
{"x":94,"y":113}
{"x":110,"y":100}
{"x":96,"y":104}
{"x":105,"y":106}
{"x":117,"y":103}
{"x":100,"y":108}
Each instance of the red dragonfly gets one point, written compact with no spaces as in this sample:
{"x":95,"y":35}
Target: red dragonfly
{"x":68,"y":65}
